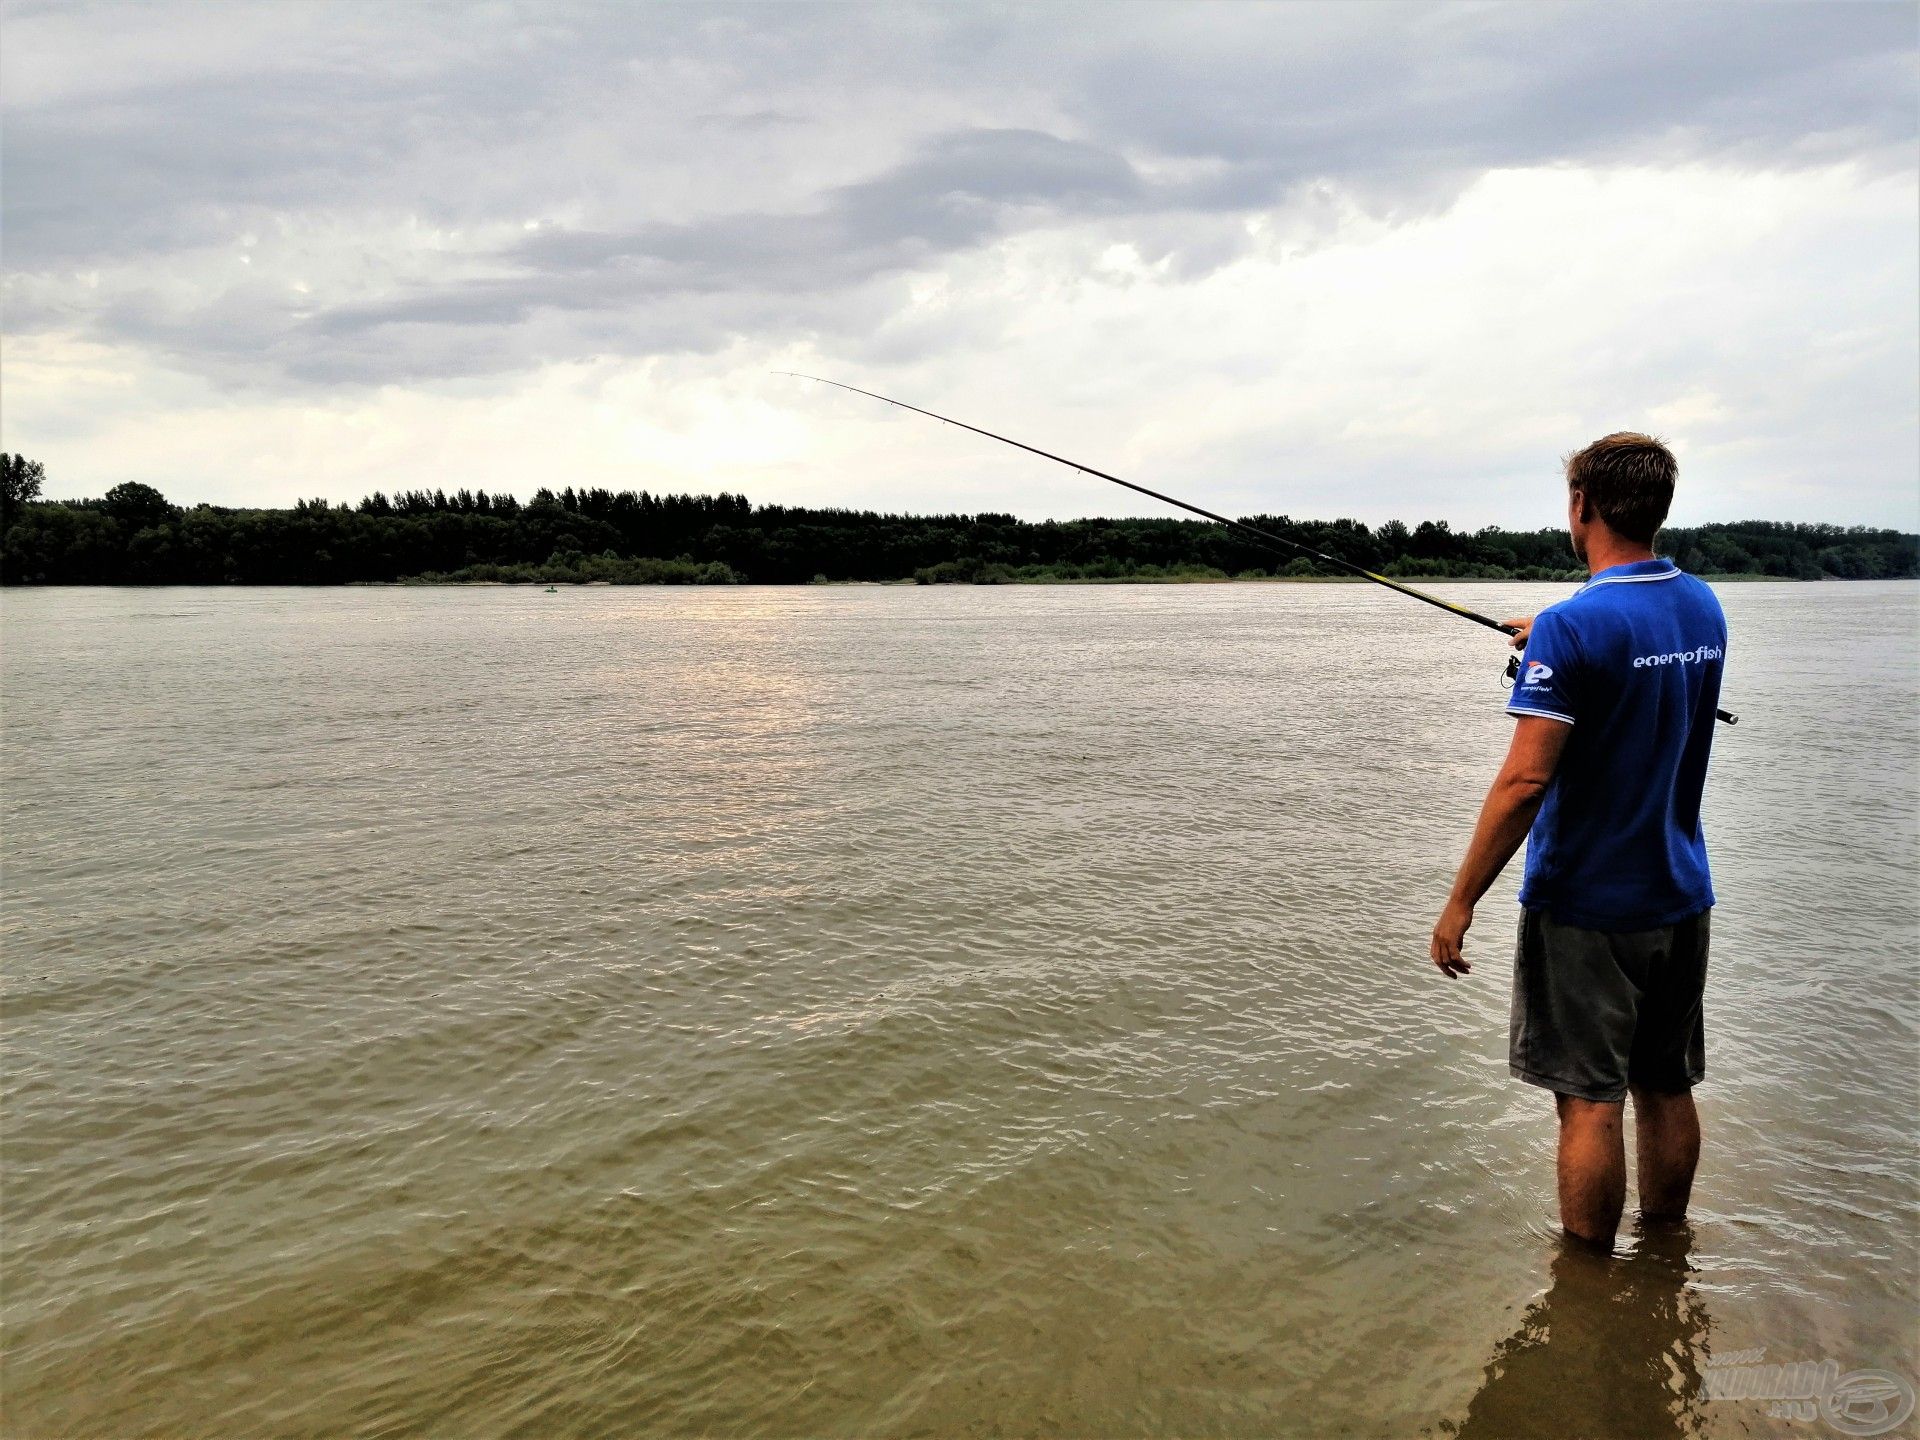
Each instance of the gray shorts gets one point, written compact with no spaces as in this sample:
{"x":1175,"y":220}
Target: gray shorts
{"x":1595,"y":1012}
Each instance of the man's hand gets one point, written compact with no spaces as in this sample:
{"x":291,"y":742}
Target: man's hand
{"x":1523,"y":627}
{"x":1449,"y":933}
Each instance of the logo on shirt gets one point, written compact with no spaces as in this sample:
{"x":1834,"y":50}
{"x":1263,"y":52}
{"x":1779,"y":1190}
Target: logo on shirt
{"x":1538,"y":670}
{"x":1679,"y":657}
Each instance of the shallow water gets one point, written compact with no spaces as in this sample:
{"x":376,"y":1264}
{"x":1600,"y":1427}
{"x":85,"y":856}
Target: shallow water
{"x":893,"y":1011}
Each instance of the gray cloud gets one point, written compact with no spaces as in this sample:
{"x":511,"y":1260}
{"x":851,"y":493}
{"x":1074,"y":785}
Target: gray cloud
{"x":958,"y":190}
{"x":689,"y":151}
{"x":1444,"y":87}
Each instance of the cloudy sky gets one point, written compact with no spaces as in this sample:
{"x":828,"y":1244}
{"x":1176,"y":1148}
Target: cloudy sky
{"x":1355,"y":259}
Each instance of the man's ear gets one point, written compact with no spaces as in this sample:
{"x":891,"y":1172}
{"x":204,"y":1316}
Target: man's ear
{"x":1582,"y":507}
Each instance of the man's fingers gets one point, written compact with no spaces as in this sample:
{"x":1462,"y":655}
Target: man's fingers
{"x":1447,"y":957}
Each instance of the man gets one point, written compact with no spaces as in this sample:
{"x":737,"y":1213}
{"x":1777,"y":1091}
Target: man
{"x":1614,"y":709}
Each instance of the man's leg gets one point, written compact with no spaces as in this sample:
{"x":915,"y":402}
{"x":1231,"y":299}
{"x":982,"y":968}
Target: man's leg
{"x":1593,"y":1168}
{"x":1666,"y":1146}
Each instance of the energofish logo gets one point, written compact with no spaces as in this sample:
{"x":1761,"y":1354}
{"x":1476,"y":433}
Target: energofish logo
{"x":1680,"y":657}
{"x":1538,"y":670}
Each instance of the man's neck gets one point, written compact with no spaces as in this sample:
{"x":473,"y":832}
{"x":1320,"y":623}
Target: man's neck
{"x":1606,"y":551}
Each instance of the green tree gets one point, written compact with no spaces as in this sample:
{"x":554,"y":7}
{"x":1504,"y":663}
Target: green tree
{"x":19,"y":482}
{"x":137,"y":506}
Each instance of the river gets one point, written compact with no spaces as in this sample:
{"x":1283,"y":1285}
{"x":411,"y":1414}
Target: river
{"x":907,"y":1011}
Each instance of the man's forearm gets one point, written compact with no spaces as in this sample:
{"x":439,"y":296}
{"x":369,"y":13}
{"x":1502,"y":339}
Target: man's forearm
{"x":1505,"y":817}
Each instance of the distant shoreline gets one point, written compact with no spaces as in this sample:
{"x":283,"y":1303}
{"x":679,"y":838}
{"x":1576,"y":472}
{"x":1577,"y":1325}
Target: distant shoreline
{"x":541,"y":586}
{"x":410,"y":583}
{"x":135,"y":535}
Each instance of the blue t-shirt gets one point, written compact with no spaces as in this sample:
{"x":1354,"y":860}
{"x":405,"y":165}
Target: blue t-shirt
{"x":1632,"y":661}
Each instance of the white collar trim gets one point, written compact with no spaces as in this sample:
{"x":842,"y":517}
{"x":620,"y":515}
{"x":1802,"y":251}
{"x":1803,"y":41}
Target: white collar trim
{"x":1630,"y":579}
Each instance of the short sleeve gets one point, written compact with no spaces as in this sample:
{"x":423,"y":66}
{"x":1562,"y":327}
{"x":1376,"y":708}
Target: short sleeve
{"x":1549,"y":671}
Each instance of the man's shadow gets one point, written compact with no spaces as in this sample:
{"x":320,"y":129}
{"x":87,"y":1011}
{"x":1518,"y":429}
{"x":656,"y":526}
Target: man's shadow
{"x":1614,"y":1348}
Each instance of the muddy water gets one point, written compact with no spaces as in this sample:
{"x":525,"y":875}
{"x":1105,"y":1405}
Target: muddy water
{"x":892,"y":1011}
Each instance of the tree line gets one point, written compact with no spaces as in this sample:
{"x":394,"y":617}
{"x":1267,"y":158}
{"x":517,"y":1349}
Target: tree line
{"x":133,"y":535}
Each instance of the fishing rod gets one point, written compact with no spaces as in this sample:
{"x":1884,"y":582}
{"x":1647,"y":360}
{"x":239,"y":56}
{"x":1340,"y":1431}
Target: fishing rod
{"x":1268,"y":536}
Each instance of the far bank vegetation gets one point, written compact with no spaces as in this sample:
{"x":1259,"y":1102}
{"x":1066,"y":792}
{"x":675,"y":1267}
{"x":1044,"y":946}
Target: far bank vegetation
{"x":133,"y":535}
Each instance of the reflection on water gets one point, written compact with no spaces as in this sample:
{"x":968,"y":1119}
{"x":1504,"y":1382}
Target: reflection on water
{"x":1614,"y":1347}
{"x":888,"y":1011}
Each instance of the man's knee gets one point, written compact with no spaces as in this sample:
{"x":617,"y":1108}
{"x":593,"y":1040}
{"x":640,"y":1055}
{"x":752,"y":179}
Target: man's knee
{"x":1586,"y":1114}
{"x":1660,"y":1105}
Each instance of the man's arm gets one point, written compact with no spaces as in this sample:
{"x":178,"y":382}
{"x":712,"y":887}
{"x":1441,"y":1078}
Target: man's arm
{"x":1505,"y":818}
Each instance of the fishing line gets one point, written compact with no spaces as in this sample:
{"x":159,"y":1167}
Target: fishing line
{"x":1266,"y":536}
